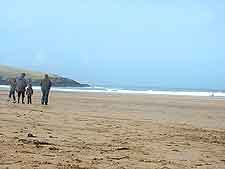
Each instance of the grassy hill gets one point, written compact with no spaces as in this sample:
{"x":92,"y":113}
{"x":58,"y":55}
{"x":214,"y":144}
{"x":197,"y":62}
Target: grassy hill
{"x":7,"y":72}
{"x":11,"y":72}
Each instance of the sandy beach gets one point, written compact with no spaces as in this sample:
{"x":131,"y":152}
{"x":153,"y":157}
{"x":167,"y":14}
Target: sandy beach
{"x":113,"y":131}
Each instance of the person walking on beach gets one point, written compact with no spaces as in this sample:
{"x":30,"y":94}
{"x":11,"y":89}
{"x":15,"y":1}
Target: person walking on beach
{"x":12,"y":91}
{"x":29,"y":93}
{"x":46,"y":85}
{"x":21,"y":85}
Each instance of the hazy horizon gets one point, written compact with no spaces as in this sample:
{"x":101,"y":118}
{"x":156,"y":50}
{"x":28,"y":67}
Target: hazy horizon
{"x":173,"y":44}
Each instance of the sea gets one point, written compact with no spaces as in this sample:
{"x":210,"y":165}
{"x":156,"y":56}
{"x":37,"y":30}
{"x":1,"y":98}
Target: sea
{"x":136,"y":90}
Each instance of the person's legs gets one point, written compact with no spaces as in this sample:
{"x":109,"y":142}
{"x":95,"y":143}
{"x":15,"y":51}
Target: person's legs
{"x":43,"y":97}
{"x":10,"y":94}
{"x":19,"y":94}
{"x":23,"y":96}
{"x":46,"y":97}
{"x":30,"y":99}
{"x":14,"y":97}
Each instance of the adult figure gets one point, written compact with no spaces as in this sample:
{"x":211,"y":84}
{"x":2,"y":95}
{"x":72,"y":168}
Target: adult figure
{"x":21,"y":85}
{"x":46,"y":85}
{"x":12,"y":91}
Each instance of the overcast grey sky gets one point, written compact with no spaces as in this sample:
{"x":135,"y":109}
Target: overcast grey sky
{"x":165,"y":43}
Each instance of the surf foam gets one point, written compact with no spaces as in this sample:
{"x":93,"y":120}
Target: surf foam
{"x":123,"y":91}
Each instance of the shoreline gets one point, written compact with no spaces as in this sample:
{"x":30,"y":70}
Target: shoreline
{"x":133,"y":92}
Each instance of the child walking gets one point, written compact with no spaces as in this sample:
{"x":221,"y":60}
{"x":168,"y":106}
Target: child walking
{"x":29,"y":93}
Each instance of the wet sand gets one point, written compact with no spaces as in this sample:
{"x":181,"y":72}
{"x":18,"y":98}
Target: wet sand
{"x":113,"y":131}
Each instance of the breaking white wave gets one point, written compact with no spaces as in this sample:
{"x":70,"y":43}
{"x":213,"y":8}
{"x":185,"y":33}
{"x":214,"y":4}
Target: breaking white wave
{"x":123,"y":91}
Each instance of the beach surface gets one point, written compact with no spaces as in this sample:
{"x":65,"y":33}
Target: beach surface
{"x":113,"y":131}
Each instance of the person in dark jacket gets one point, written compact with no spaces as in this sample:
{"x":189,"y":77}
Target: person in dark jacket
{"x":12,"y":91}
{"x":29,"y":93}
{"x":21,"y":85}
{"x":46,"y":85}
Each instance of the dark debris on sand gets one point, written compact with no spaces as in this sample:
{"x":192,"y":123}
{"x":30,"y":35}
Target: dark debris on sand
{"x":35,"y":142}
{"x":72,"y":166}
{"x":31,"y":135}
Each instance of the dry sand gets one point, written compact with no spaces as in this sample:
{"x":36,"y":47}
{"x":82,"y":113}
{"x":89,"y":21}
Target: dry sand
{"x":113,"y":131}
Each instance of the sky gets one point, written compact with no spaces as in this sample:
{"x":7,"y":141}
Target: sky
{"x":160,"y":43}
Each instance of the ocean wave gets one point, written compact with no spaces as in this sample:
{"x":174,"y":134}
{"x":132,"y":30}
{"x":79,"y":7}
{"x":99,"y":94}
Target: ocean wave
{"x":125,"y":91}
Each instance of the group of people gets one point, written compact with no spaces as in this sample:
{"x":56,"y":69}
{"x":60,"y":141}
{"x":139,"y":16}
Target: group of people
{"x":24,"y":88}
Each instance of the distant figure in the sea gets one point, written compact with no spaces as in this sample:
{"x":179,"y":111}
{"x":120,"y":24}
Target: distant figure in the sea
{"x":12,"y":90}
{"x":21,"y":85}
{"x":46,"y":85}
{"x":29,"y":93}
